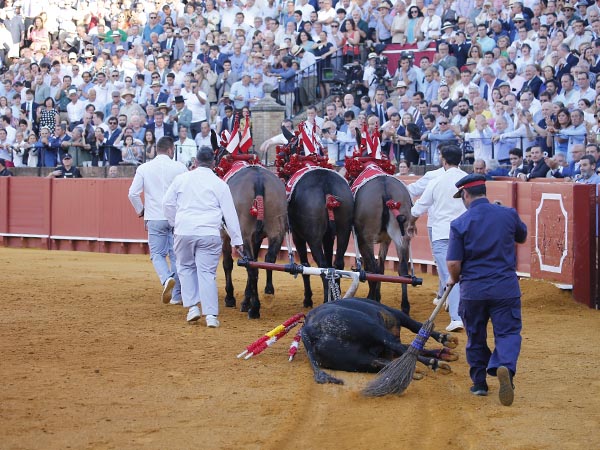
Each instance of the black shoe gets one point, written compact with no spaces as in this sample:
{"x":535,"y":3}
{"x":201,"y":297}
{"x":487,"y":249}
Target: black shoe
{"x":480,"y":389}
{"x":507,"y":388}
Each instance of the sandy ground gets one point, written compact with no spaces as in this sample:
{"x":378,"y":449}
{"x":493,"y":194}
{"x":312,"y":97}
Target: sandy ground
{"x":92,"y":359}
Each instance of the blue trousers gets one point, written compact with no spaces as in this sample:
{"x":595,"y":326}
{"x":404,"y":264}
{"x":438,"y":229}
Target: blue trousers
{"x":160,"y":243}
{"x":506,"y":322}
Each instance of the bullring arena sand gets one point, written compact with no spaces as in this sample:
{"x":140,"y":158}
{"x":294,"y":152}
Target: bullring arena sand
{"x":92,"y":359}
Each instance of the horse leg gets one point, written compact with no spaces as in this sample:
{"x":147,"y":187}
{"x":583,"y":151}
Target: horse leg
{"x":228,"y":268}
{"x":300,"y":245}
{"x":271,"y":257}
{"x":365,"y":247}
{"x":383,"y":250}
{"x":403,"y":271}
{"x":254,"y":310}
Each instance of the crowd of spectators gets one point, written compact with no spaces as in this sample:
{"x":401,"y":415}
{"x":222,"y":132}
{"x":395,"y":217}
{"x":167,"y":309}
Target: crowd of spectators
{"x":104,"y":80}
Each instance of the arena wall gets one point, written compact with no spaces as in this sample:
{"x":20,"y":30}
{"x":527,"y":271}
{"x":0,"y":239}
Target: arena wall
{"x":95,"y":215}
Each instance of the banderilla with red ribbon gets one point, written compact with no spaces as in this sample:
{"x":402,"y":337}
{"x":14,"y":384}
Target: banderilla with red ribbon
{"x":271,"y":337}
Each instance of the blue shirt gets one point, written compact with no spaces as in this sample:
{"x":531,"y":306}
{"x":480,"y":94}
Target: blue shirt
{"x":287,"y":84}
{"x":483,"y":240}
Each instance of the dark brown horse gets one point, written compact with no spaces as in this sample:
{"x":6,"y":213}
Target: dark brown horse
{"x":261,"y":205}
{"x":381,"y":216}
{"x":320,"y":211}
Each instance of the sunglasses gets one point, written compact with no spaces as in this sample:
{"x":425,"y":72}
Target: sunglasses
{"x":443,"y":123}
{"x":153,"y":17}
{"x":112,"y":123}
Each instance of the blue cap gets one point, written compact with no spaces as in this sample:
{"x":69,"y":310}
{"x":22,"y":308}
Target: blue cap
{"x":471,"y":180}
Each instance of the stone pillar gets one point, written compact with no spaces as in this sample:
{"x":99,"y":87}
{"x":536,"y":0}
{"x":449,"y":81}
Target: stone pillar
{"x":267,"y":116}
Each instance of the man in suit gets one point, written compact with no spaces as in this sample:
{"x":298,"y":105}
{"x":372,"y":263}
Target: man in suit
{"x":159,"y":128}
{"x":225,"y":79}
{"x":532,"y":83}
{"x":443,"y":57}
{"x":156,"y":96}
{"x":489,"y":81}
{"x":227,"y":123}
{"x":379,"y":106}
{"x":29,"y":107}
{"x":180,"y":114}
{"x":538,"y":167}
{"x":574,"y":167}
{"x":460,"y":49}
{"x":446,"y":103}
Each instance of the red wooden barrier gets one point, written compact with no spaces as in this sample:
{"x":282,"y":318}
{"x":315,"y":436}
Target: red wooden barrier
{"x":95,"y":215}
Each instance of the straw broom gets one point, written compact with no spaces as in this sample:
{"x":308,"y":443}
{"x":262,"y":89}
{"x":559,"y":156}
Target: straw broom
{"x":397,"y":375}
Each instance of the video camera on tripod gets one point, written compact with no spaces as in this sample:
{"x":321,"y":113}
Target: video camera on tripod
{"x":347,"y":80}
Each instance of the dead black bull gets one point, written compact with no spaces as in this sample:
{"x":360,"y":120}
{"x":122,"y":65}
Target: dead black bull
{"x":355,"y":334}
{"x":361,"y":335}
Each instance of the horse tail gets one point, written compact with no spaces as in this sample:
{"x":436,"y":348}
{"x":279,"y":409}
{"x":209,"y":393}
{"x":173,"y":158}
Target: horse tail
{"x":258,"y":208}
{"x":390,"y":205}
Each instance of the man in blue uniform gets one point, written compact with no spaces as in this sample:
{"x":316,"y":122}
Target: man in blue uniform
{"x":482,"y":256}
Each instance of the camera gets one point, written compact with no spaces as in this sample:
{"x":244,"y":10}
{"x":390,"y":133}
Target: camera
{"x":381,"y":67}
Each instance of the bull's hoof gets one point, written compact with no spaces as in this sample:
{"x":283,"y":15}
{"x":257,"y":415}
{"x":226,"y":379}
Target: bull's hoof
{"x":269,"y":290}
{"x":324,"y":378}
{"x":308,"y":303}
{"x":446,"y":354}
{"x":245,"y":306}
{"x":254,"y":313}
{"x":230,"y":302}
{"x":448,"y":340}
{"x":443,"y":368}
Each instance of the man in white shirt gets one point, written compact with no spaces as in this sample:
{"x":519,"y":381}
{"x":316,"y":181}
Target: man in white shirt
{"x":442,"y":208}
{"x":153,"y":178}
{"x":202,"y":139}
{"x":75,"y":109}
{"x":195,"y":204}
{"x":185,"y":148}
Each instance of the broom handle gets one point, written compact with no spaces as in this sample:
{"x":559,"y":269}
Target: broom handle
{"x":441,"y":303}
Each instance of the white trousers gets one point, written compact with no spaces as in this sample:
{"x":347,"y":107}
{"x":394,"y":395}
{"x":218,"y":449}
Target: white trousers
{"x":197,"y":261}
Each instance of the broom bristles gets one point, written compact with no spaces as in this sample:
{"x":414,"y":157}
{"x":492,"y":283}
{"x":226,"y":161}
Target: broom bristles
{"x":397,"y":375}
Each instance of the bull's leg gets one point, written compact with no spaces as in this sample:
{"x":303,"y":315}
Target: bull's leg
{"x":228,"y":268}
{"x":271,"y":257}
{"x":300,"y":245}
{"x":320,"y":376}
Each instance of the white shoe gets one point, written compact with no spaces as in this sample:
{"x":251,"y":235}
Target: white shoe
{"x":436,"y":301}
{"x":168,"y":286}
{"x":176,"y":301}
{"x":193,"y":314}
{"x":455,"y":325}
{"x":212,"y":321}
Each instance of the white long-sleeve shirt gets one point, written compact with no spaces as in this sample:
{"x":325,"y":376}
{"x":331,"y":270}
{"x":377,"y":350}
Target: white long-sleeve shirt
{"x":438,"y":202}
{"x":197,"y":202}
{"x":153,"y":178}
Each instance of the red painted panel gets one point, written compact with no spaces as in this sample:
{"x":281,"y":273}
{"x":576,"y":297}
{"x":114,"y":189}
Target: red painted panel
{"x":76,"y":208}
{"x":584,"y":244}
{"x":4,"y":195}
{"x":551,"y":235}
{"x":120,"y":220}
{"x":523,"y":207}
{"x":29,"y":206}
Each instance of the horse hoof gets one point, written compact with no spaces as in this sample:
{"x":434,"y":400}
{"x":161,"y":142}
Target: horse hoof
{"x":253,"y":314}
{"x":444,"y":368}
{"x":308,"y":303}
{"x":230,"y":302}
{"x":449,"y":341}
{"x":245,"y":306}
{"x":417,"y":376}
{"x":269,"y":290}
